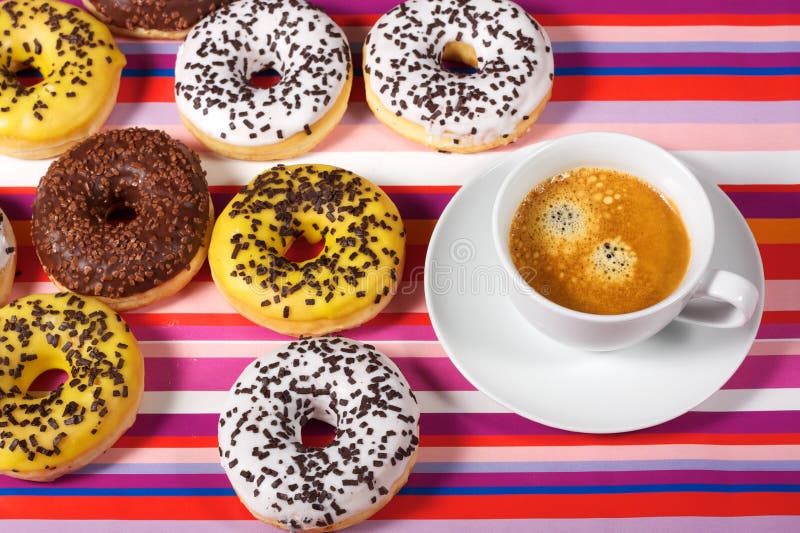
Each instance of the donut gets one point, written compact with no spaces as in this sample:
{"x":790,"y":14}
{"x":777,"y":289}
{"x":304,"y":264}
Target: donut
{"x":350,"y":281}
{"x":408,"y":89}
{"x":221,"y":53}
{"x":125,"y":216}
{"x":349,"y":385}
{"x":8,"y":257}
{"x":152,"y":19}
{"x":45,"y":437}
{"x":80,"y":65}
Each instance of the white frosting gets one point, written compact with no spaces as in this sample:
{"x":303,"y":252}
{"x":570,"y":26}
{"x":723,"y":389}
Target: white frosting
{"x":225,"y":49}
{"x":342,"y":382}
{"x":515,"y":66}
{"x":5,"y":249}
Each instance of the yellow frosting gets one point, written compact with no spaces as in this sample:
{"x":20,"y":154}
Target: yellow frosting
{"x":104,"y":367}
{"x":76,"y":56}
{"x":359,"y":265}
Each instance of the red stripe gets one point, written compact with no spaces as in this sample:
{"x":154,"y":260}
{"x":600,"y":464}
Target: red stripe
{"x":780,"y":260}
{"x":781,"y":317}
{"x":461,"y":441}
{"x":569,"y":88}
{"x":620,"y":19}
{"x":590,"y":506}
{"x":415,"y":507}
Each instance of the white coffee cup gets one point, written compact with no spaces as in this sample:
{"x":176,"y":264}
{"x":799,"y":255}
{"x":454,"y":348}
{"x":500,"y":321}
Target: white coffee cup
{"x":735,"y":297}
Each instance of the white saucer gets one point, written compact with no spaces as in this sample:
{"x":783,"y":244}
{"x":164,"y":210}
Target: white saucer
{"x":561,"y":386}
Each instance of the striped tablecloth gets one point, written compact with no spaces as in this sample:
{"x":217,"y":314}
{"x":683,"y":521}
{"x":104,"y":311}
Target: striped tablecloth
{"x":716,"y":81}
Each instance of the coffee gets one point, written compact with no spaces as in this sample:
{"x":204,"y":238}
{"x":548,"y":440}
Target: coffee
{"x":599,"y":241}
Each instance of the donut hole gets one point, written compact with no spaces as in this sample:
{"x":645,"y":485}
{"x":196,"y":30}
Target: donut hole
{"x":265,"y":78}
{"x":47,"y":382}
{"x":459,"y":58}
{"x":28,"y":76}
{"x":317,"y":434}
{"x":119,"y":212}
{"x":301,"y":249}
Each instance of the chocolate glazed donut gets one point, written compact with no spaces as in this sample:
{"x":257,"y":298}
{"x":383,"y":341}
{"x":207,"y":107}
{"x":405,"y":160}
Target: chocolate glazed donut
{"x":125,"y":216}
{"x":155,"y":19}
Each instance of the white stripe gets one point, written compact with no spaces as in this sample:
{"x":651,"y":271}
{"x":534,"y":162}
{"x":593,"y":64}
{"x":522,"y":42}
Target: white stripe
{"x":186,"y":402}
{"x":432,"y":168}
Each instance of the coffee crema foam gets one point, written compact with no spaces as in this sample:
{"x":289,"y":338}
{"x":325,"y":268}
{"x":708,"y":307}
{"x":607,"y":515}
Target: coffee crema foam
{"x":599,"y":241}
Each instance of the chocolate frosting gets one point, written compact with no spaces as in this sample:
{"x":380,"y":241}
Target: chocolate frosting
{"x":164,"y":15}
{"x":143,"y":172}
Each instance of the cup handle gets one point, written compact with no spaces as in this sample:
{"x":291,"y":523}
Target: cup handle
{"x":720,"y":287}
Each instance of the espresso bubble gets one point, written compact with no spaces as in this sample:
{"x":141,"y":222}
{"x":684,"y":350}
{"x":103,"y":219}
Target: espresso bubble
{"x":613,"y":260}
{"x":566,"y":219}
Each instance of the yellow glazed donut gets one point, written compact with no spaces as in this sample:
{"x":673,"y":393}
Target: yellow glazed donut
{"x":349,"y":282}
{"x":408,"y":89}
{"x":42,"y":438}
{"x":80,"y":65}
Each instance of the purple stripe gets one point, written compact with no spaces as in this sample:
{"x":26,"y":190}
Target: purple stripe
{"x":75,"y":481}
{"x":560,"y":479}
{"x":431,"y":205}
{"x":778,"y":331}
{"x":410,"y":205}
{"x":148,"y":61}
{"x":593,"y":6}
{"x":218,"y":374}
{"x":767,"y":204}
{"x":445,"y":479}
{"x":765,"y":372}
{"x":584,"y":60}
{"x":749,"y":422}
{"x":677,"y":60}
{"x":739,"y":524}
{"x":585,"y":6}
{"x":257,"y":333}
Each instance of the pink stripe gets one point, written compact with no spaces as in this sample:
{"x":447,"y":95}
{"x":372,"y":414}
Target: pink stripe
{"x":778,"y":347}
{"x":255,"y":333}
{"x":782,"y":295}
{"x":372,"y":137}
{"x":367,"y":137}
{"x":611,"y":453}
{"x":252,"y":349}
{"x":772,"y":372}
{"x":673,"y":33}
{"x":219,"y":374}
{"x":465,"y":454}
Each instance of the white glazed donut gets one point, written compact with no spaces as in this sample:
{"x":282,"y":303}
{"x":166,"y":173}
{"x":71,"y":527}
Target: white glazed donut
{"x":221,"y":53}
{"x":410,"y":92}
{"x":344,"y":383}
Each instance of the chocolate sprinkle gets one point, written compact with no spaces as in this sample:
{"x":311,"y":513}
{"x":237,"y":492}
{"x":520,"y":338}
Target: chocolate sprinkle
{"x":349,"y":214}
{"x":225,"y":49}
{"x":40,"y":426}
{"x":144,"y":171}
{"x":172,"y":15}
{"x":403,"y":54}
{"x":345,"y":383}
